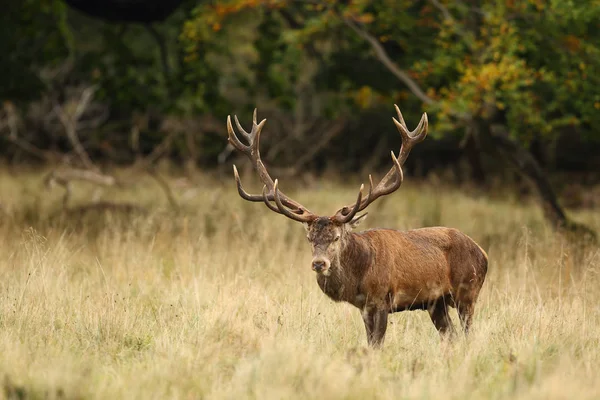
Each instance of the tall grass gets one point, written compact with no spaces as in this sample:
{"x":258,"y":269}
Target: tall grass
{"x":218,"y":301}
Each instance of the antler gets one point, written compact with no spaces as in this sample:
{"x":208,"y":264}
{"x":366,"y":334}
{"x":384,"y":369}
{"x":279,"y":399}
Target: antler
{"x":393,"y":179}
{"x":271,"y":192}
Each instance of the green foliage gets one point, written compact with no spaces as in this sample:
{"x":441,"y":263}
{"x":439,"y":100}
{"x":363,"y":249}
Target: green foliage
{"x":528,"y":66}
{"x":34,"y":35}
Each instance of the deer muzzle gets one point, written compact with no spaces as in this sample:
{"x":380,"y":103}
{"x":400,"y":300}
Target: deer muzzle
{"x":321,"y":265}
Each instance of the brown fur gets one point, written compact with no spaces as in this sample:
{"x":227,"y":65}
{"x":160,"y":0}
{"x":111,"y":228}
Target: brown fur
{"x":382,"y":271}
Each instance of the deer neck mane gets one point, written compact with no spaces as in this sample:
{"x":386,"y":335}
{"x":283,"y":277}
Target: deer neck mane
{"x":347,"y":270}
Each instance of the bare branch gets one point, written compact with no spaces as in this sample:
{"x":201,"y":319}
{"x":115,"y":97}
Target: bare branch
{"x":69,"y":122}
{"x":12,"y":123}
{"x":388,"y":63}
{"x":159,"y":150}
{"x":443,"y":9}
{"x":323,"y":136}
{"x":65,"y":177}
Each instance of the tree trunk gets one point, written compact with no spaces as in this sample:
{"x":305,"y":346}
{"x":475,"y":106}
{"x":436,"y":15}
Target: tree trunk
{"x":473,"y":153}
{"x":528,"y":167}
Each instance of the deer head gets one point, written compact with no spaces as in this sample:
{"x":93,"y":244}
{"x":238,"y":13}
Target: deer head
{"x":327,"y":235}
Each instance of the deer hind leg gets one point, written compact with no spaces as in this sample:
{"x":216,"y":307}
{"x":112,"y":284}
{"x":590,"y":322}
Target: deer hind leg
{"x":465,"y":313}
{"x":440,"y":318}
{"x":375,"y":324}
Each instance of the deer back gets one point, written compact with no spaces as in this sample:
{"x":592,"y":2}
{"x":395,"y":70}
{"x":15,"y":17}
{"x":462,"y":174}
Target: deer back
{"x":417,"y":266}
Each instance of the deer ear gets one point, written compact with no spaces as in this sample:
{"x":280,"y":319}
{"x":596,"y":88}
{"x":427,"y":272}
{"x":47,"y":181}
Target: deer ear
{"x":357,"y":220}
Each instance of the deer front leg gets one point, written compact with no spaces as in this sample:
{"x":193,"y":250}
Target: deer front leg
{"x":440,"y":318}
{"x":375,"y":324}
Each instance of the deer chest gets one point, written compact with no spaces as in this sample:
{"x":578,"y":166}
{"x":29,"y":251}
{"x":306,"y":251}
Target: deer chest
{"x":337,"y":289}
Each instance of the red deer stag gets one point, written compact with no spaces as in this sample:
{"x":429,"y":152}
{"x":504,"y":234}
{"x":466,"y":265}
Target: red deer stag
{"x":379,"y":271}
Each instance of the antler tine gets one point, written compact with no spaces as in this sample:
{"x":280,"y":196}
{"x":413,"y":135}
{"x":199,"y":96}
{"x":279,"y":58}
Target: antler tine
{"x":347,"y":218}
{"x":400,"y":117}
{"x":367,"y":199}
{"x":303,"y":217}
{"x":397,"y":183}
{"x":267,"y":201}
{"x":243,"y":194}
{"x":409,"y":139}
{"x":394,"y":178}
{"x":233,"y":139}
{"x":242,"y":130}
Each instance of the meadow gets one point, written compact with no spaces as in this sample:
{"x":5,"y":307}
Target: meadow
{"x":218,"y":300}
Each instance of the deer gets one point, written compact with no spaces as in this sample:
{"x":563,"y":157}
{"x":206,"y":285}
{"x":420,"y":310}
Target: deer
{"x":379,"y":271}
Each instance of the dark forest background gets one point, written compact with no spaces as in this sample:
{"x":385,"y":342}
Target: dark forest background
{"x":511,"y":87}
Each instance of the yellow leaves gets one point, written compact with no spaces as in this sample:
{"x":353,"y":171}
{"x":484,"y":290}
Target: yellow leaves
{"x":597,"y":105}
{"x":211,"y":18}
{"x":431,"y":92}
{"x":447,"y":105}
{"x":366,"y":97}
{"x":539,"y":4}
{"x":236,"y":6}
{"x":363,"y":97}
{"x":572,"y":43}
{"x":225,"y":9}
{"x":495,"y":83}
{"x":427,"y":22}
{"x":403,"y":95}
{"x":365,"y":18}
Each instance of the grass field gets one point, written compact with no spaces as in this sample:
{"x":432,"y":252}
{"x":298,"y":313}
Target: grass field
{"x":218,"y":301}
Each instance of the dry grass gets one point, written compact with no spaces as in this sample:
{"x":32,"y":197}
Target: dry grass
{"x":219,"y":302}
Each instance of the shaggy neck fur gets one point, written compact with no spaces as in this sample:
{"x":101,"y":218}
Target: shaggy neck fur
{"x":347,"y":270}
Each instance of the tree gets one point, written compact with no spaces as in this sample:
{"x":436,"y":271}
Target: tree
{"x":501,"y":73}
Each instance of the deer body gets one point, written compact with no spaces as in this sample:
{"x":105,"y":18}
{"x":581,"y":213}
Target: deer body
{"x":386,"y":271}
{"x":379,"y":271}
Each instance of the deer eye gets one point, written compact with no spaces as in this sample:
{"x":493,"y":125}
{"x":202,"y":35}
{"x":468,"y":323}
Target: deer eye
{"x":336,"y":239}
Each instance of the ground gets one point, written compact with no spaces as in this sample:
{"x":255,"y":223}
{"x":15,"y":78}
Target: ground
{"x":219,"y":300}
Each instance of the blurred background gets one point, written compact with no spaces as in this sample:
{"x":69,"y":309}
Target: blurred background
{"x":131,"y":268}
{"x":510,"y":88}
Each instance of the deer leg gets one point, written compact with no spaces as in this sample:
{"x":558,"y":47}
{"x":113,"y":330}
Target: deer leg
{"x":440,"y":318}
{"x":368,"y":319}
{"x":375,"y":324}
{"x":380,"y":320}
{"x":465,"y":314}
